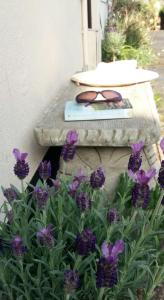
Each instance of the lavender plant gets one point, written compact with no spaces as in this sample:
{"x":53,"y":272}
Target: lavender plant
{"x":69,"y":241}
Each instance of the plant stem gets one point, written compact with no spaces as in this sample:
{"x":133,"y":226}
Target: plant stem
{"x":109,"y":232}
{"x":67,"y":296}
{"x":158,"y":279}
{"x":22,"y":187}
{"x":82,"y":222}
{"x":60,"y":216}
{"x":100,"y":296}
{"x":77,"y":262}
{"x":24,"y":280}
{"x":157,"y":208}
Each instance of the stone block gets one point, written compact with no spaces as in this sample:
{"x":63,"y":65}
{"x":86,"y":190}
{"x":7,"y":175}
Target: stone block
{"x":114,"y":161}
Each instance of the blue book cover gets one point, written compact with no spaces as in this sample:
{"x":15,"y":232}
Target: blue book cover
{"x":97,"y":111}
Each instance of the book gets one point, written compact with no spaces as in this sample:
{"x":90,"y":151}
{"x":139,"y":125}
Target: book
{"x":81,"y":112}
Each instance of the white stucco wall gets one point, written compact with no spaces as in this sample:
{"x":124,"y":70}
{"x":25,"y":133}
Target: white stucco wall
{"x":40,"y":48}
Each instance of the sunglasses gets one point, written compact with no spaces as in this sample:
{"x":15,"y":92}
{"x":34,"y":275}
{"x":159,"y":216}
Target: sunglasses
{"x":89,"y":97}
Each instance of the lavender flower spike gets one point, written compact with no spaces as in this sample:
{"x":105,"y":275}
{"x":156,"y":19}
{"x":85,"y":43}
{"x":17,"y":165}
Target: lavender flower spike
{"x":161,"y":175}
{"x":106,"y":275}
{"x":141,"y":190}
{"x":135,"y":159}
{"x":110,"y":252}
{"x":79,"y":176}
{"x":112,"y":216}
{"x":17,"y":246}
{"x":144,"y":177}
{"x":97,"y":178}
{"x":45,"y":170}
{"x":21,"y":168}
{"x":41,"y":195}
{"x":56,"y":183}
{"x":83,"y":202}
{"x":71,"y":137}
{"x":85,"y":242}
{"x":137,"y":147}
{"x":10,"y":194}
{"x":45,"y":236}
{"x":72,"y":188}
{"x":68,"y":151}
{"x":162,"y":144}
{"x":71,"y":281}
{"x":18,"y":155}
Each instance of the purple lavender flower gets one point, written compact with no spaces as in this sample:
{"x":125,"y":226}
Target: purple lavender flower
{"x":85,"y":242}
{"x":10,"y":194}
{"x":77,"y":180}
{"x":80,"y":177}
{"x":56,"y":184}
{"x":97,"y":178}
{"x":162,"y":144}
{"x":135,"y":193}
{"x":17,"y":246}
{"x":69,"y":148}
{"x":21,"y":168}
{"x":83,"y":202}
{"x":45,"y":170}
{"x":161,"y":175}
{"x":144,"y":177}
{"x":71,"y":281}
{"x":106,"y":275}
{"x":10,"y":216}
{"x":135,"y":159}
{"x":72,"y":188}
{"x":45,"y":236}
{"x":141,"y":190}
{"x":110,"y":252}
{"x":71,"y":137}
{"x":68,"y":152}
{"x":41,"y":195}
{"x":112,"y":216}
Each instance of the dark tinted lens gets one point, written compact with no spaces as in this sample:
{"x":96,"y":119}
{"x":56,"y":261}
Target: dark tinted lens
{"x":109,"y":94}
{"x":86,"y":96}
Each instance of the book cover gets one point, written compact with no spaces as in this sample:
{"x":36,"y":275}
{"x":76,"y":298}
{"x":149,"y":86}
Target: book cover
{"x":98,"y":111}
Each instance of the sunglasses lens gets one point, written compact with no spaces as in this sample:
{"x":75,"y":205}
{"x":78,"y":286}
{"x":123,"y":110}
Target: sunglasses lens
{"x":111,"y":95}
{"x":86,"y":96}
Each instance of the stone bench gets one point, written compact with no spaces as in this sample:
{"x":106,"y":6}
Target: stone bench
{"x":104,"y":142}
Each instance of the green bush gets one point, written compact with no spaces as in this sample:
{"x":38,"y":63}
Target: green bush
{"x":112,"y":45}
{"x":129,"y":19}
{"x":161,"y":12}
{"x":70,"y":241}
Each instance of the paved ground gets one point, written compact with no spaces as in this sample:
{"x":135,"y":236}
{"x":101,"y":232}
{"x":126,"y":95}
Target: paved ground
{"x":158,"y":66}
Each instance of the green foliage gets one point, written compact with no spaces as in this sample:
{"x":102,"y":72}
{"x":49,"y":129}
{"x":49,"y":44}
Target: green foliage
{"x":143,"y":55}
{"x":131,"y":20}
{"x":161,"y":12}
{"x":112,"y":45}
{"x":38,"y":274}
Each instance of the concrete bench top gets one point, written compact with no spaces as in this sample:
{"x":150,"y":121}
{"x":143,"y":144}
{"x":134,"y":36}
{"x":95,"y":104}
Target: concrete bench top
{"x":52,"y":129}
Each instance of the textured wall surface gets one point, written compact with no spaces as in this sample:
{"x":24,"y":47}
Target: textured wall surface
{"x":40,"y":49}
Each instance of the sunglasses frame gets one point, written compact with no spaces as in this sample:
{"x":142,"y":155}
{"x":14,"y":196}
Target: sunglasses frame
{"x":106,"y":100}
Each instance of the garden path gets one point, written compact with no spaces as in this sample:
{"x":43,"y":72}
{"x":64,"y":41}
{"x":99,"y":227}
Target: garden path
{"x":157,"y":38}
